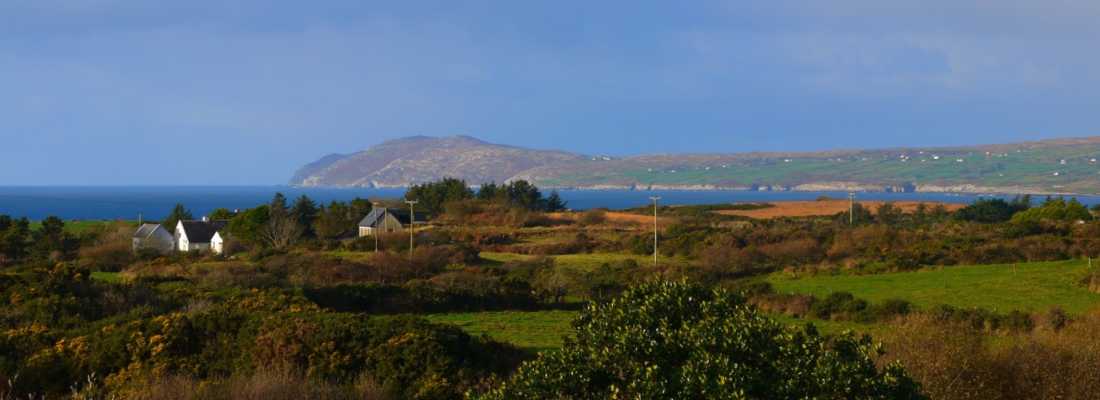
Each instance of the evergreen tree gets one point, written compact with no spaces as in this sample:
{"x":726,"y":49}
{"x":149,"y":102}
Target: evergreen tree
{"x":432,"y":196}
{"x":14,"y":238}
{"x":179,"y":213}
{"x":554,"y":202}
{"x":523,"y":194}
{"x":488,"y":192}
{"x":221,"y":214}
{"x":278,"y":207}
{"x":51,"y":240}
{"x":304,"y":212}
{"x":247,"y":226}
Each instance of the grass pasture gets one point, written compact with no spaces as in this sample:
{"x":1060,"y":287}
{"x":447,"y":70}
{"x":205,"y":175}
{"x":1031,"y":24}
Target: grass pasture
{"x":537,"y":331}
{"x":584,"y":261}
{"x":1029,"y":287}
{"x":76,"y":227}
{"x":530,"y":330}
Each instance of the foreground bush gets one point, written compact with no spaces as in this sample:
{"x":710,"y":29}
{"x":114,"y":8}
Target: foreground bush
{"x":675,"y":340}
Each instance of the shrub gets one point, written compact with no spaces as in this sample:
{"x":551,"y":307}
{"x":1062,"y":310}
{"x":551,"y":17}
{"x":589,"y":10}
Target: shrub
{"x":592,"y":217}
{"x":674,"y":340}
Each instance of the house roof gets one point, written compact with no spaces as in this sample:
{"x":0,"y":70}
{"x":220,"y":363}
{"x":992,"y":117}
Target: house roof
{"x":377,"y":214}
{"x":145,"y":231}
{"x":202,"y":231}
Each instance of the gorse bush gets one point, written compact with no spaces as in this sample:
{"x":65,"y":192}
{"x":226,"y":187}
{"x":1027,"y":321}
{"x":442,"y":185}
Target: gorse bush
{"x":675,"y":340}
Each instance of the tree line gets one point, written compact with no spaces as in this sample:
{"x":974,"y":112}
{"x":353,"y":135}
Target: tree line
{"x":281,"y":224}
{"x":433,"y":196}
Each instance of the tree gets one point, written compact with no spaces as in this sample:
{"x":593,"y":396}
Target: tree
{"x":523,"y":194}
{"x":667,"y":340}
{"x":433,"y":195}
{"x":281,"y":231}
{"x":336,"y":221}
{"x":888,"y":214}
{"x":220,"y":214}
{"x":51,"y":241}
{"x":179,"y":213}
{"x":247,"y":226}
{"x":992,"y":210}
{"x":861,"y":215}
{"x":489,"y":191}
{"x":14,"y":238}
{"x":1054,"y":209}
{"x":304,"y":212}
{"x":554,"y":203}
{"x":278,"y":205}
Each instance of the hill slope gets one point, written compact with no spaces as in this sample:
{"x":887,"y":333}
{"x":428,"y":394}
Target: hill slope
{"x":1050,"y":166}
{"x":417,"y":159}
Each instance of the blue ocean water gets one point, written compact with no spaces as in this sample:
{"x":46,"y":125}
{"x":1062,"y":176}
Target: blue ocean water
{"x":154,"y":202}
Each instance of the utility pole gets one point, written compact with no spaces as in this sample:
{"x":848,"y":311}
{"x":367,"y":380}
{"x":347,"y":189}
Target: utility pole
{"x":654,"y":198}
{"x":851,"y":208}
{"x":412,"y":224}
{"x":373,"y":231}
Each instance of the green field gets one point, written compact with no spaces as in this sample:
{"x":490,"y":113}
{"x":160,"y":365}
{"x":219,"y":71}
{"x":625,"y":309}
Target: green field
{"x":543,"y":330}
{"x":78,"y":227}
{"x":580,"y":261}
{"x":110,"y":277}
{"x":1026,"y":286}
{"x":529,"y":330}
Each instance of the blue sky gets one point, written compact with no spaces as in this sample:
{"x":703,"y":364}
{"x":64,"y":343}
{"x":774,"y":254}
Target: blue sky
{"x":113,"y":92}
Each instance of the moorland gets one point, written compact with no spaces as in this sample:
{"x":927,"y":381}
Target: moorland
{"x":505,"y":293}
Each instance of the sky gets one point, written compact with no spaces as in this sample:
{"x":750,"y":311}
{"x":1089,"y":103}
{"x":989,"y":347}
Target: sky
{"x":223,"y":92}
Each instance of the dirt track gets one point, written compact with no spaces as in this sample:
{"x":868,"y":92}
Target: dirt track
{"x":826,"y":207}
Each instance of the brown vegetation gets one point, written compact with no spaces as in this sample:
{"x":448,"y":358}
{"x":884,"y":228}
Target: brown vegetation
{"x":615,"y":217}
{"x":955,"y":361}
{"x":825,"y":208}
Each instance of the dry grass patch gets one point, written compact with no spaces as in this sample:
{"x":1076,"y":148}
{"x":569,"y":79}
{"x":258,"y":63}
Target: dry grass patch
{"x":827,"y":207}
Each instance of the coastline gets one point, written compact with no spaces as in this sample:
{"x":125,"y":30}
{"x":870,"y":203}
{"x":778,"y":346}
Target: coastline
{"x":962,"y":189}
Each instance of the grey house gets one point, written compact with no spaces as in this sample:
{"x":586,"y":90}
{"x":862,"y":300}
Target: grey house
{"x":385,"y":220}
{"x":153,"y":236}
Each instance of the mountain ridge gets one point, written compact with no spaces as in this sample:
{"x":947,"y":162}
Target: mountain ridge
{"x":1051,"y":166}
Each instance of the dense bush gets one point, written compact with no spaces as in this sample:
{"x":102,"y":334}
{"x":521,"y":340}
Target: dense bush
{"x":992,"y":210}
{"x":245,"y":333}
{"x":670,"y":340}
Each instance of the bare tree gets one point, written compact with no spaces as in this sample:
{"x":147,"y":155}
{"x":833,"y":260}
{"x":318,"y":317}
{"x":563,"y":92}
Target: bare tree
{"x":281,"y":231}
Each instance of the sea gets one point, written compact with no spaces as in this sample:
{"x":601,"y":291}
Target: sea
{"x":154,"y":202}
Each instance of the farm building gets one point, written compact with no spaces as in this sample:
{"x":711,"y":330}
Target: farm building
{"x":153,"y":236}
{"x":200,"y":235}
{"x":385,"y":220}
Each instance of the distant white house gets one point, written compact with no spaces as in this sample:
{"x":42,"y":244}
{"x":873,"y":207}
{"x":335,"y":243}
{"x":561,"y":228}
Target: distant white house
{"x":154,"y":237}
{"x":199,"y":235}
{"x":217,"y":243}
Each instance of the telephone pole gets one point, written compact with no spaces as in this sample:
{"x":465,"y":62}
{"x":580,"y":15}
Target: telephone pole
{"x":373,"y":230}
{"x":412,"y":224}
{"x":851,"y":208}
{"x":654,"y":198}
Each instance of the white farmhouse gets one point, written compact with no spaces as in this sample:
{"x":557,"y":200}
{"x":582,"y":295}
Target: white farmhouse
{"x":217,"y":243}
{"x":199,"y":235}
{"x":154,"y":237}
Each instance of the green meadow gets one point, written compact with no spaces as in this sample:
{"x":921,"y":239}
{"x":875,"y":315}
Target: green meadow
{"x":530,"y":330}
{"x":583,"y":261}
{"x":1028,"y":287}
